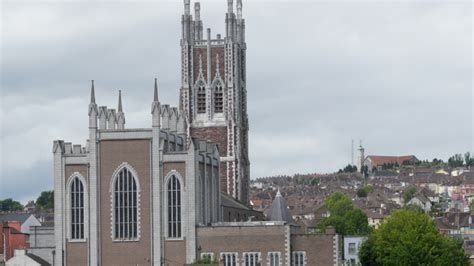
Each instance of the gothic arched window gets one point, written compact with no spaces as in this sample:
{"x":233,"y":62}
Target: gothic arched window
{"x":201,"y":100}
{"x":125,"y":206}
{"x":218,"y":100}
{"x":77,"y":209}
{"x":174,"y":207}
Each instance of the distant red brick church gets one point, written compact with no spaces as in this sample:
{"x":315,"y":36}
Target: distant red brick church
{"x":378,"y":161}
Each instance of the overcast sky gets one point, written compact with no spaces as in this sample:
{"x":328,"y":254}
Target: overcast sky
{"x":396,"y":74}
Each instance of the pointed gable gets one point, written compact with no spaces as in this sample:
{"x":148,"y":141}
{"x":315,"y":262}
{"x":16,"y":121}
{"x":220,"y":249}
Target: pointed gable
{"x":278,"y":211}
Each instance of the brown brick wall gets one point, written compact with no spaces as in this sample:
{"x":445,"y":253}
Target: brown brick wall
{"x":214,"y":52}
{"x":76,"y":253}
{"x":180,"y":167}
{"x":262,"y":239}
{"x":175,"y":252}
{"x":319,"y":248}
{"x":203,"y":53}
{"x":216,"y":135}
{"x":223,"y":177}
{"x":71,"y":168}
{"x":112,"y":154}
{"x":196,"y":53}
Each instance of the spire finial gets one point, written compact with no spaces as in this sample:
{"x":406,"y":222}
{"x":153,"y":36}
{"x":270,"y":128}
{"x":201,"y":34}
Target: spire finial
{"x":230,"y":6}
{"x":120,"y":109}
{"x":92,"y":92}
{"x":155,"y":98}
{"x":197,"y":11}
{"x":239,"y":9}
{"x":278,"y":193}
{"x":186,"y":7}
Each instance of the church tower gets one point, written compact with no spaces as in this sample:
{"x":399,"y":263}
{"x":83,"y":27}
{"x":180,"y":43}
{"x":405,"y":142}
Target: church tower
{"x":213,"y":93}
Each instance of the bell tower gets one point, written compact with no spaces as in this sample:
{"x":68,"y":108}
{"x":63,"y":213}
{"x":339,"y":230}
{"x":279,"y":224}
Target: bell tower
{"x":213,"y":92}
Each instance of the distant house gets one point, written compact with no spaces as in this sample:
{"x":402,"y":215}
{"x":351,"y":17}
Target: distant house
{"x":421,"y":201}
{"x":11,"y":238}
{"x":425,"y":199}
{"x":26,"y":220}
{"x":351,"y":249}
{"x":445,"y":227}
{"x":30,"y":207}
{"x":374,"y":218}
{"x":385,"y":174}
{"x":377,"y":161}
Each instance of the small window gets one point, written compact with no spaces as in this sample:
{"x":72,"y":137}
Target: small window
{"x":201,"y":100}
{"x":229,"y":259}
{"x":218,"y":100}
{"x":251,"y":259}
{"x":77,"y":209}
{"x":273,"y":259}
{"x":298,"y":258}
{"x":352,"y":248}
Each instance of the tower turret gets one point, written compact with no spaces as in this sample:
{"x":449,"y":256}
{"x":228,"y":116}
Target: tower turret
{"x":197,"y":21}
{"x":213,"y":93}
{"x":186,"y":21}
{"x":230,"y":20}
{"x":239,"y":9}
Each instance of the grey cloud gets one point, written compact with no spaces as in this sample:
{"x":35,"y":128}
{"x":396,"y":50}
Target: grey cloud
{"x":395,"y":74}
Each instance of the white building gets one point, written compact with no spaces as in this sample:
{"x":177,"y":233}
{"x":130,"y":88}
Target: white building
{"x":351,"y":249}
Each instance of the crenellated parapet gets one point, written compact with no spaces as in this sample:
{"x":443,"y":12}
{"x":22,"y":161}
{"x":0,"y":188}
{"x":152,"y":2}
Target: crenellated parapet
{"x":107,"y":118}
{"x":173,"y":119}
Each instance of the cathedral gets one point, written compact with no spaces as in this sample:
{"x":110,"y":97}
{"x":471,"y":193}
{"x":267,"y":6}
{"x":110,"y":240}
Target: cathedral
{"x":177,"y":191}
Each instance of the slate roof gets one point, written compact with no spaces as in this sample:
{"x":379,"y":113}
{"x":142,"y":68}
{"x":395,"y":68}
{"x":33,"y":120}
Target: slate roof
{"x":228,"y":201}
{"x":463,"y":218}
{"x":443,"y":224}
{"x":21,"y":217}
{"x":278,"y":211}
{"x":15,"y":231}
{"x":39,"y":260}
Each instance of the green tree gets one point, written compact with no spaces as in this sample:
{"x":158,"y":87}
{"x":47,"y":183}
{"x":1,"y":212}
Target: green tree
{"x":338,"y":204}
{"x":46,"y":200}
{"x":350,"y":169}
{"x":410,"y":237}
{"x":9,"y":204}
{"x":344,"y":217}
{"x":408,"y":194}
{"x":365,"y":171}
{"x":467,"y":159}
{"x":206,"y":260}
{"x":356,"y":223}
{"x":361,"y":193}
{"x":364,"y":191}
{"x":456,"y":161}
